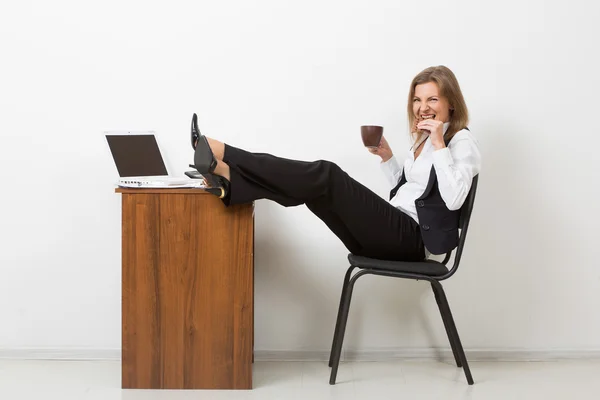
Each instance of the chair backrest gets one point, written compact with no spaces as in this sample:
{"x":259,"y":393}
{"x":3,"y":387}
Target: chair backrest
{"x":463,"y":225}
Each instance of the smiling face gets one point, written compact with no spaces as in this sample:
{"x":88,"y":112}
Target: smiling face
{"x":428,"y":104}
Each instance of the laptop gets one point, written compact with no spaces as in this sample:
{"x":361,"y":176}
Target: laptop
{"x":140,"y":163}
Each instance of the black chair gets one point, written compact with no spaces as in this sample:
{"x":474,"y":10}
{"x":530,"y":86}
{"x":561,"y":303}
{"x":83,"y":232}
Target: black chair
{"x":429,"y":270}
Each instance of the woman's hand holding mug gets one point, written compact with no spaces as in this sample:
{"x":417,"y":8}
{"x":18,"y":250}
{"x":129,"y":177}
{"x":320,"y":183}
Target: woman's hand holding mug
{"x":383,"y":150}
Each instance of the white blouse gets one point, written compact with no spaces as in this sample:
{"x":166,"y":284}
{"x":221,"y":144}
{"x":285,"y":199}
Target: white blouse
{"x":455,"y":167}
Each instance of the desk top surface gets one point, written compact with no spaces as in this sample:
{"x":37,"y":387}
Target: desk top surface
{"x":165,"y":191}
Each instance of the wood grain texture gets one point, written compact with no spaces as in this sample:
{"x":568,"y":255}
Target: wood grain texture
{"x":188,"y":296}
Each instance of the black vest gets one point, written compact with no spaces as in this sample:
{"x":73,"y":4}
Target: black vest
{"x":438,"y":224}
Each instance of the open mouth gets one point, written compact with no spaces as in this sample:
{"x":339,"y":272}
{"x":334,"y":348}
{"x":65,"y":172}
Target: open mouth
{"x":428,"y":116}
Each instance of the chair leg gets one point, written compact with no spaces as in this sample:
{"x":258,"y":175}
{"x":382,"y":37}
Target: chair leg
{"x":452,"y":327}
{"x":342,"y":328}
{"x":339,"y":314}
{"x":448,"y":332}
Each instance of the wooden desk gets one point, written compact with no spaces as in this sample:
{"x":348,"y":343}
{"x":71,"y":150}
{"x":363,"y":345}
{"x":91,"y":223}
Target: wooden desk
{"x":188,"y":299}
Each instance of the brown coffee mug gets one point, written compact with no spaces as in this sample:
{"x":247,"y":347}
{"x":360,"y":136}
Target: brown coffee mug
{"x":371,"y":135}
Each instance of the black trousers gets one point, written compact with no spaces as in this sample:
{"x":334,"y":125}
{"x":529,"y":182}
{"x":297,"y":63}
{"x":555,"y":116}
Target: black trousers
{"x":367,"y":224}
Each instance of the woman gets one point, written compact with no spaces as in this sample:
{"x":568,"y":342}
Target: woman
{"x":423,"y":211}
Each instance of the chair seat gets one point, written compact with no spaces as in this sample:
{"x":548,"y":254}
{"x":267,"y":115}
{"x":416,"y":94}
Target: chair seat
{"x":425,"y":267}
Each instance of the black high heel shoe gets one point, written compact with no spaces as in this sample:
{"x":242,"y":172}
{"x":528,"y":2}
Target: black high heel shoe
{"x":218,"y":185}
{"x":195,"y":131}
{"x":204,"y":160}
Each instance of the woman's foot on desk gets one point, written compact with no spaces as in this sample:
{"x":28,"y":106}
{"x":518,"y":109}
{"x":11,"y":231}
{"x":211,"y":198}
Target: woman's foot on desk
{"x":207,"y":151}
{"x":214,"y":170}
{"x":204,"y":160}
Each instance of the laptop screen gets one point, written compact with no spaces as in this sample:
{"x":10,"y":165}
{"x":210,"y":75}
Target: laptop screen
{"x":136,"y":155}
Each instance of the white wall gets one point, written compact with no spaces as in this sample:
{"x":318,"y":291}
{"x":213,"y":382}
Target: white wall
{"x":298,"y":79}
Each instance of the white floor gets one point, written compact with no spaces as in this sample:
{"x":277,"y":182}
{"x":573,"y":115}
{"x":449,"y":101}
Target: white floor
{"x":85,"y":380}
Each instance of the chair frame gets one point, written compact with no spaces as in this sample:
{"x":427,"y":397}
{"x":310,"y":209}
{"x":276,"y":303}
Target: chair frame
{"x":438,"y":291}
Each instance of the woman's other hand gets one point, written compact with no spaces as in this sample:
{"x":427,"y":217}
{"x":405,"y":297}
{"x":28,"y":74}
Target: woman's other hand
{"x":383,"y":150}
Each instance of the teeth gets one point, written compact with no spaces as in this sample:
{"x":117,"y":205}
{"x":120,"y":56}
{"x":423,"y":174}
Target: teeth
{"x":431,"y":116}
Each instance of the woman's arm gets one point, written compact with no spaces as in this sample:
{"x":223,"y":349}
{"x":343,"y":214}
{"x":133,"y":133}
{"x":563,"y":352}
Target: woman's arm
{"x":455,"y":167}
{"x":392,"y":170}
{"x":389,"y":164}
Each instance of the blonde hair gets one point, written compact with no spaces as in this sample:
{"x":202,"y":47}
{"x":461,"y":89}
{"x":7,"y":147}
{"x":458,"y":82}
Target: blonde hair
{"x":449,"y":88}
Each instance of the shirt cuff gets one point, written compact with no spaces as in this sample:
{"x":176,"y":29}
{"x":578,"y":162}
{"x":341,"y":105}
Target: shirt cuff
{"x":391,"y":169}
{"x":390,"y":160}
{"x":390,"y":165}
{"x":442,"y":157}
